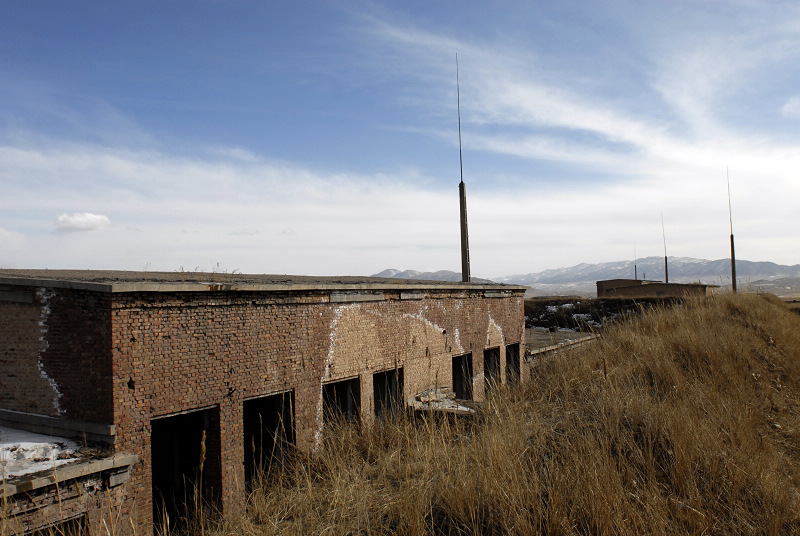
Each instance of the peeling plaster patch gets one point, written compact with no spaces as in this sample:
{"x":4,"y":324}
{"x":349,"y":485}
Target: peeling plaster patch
{"x":326,"y":371}
{"x":493,"y":327}
{"x":45,"y":295}
{"x":458,"y":341}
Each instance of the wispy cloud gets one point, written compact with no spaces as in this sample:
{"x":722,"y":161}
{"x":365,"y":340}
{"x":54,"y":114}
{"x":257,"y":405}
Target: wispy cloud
{"x":196,"y":212}
{"x":792,"y":108}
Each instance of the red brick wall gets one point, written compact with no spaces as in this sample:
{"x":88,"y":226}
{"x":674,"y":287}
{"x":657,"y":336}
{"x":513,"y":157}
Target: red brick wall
{"x":129,"y":357}
{"x":55,"y":354}
{"x":183,"y":351}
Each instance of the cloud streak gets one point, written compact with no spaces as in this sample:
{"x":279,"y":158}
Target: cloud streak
{"x":81,"y":222}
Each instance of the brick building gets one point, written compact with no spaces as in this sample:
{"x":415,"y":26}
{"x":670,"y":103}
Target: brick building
{"x":640,"y":288}
{"x":181,"y":374}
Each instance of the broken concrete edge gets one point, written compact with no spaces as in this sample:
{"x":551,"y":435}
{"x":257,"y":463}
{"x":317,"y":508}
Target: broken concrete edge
{"x":121,"y":462}
{"x":530,"y":354}
{"x":440,"y":400}
{"x":57,"y":426}
{"x":497,"y":289}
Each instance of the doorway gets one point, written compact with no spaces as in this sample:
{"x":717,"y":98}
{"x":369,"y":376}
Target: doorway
{"x":388,"y":393}
{"x":513,"y":371}
{"x":185,"y":466}
{"x":341,"y":401}
{"x":462,"y":376}
{"x":491,"y":368}
{"x":268,"y":423}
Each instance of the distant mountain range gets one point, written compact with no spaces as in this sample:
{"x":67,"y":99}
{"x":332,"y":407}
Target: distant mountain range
{"x":681,"y":269}
{"x":441,"y":275}
{"x":580,"y":279}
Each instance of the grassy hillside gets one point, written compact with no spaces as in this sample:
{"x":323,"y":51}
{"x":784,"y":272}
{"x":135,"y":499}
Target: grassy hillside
{"x":684,"y":420}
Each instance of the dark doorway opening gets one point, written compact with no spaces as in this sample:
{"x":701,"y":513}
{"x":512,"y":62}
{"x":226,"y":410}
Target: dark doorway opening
{"x":186,"y":467}
{"x":513,"y":372}
{"x":268,"y":433}
{"x":341,"y":400}
{"x":388,"y":393}
{"x":491,"y":368}
{"x":462,"y":376}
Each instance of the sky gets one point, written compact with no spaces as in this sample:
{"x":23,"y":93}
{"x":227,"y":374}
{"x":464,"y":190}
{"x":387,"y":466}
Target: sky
{"x":321,"y":138}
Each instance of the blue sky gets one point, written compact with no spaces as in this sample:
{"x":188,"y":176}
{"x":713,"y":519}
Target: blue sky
{"x":321,"y":137}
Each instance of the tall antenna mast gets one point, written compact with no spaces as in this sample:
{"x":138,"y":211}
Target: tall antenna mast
{"x":635,"y":275}
{"x":730,"y":217}
{"x":462,"y":194}
{"x":664,"y":234}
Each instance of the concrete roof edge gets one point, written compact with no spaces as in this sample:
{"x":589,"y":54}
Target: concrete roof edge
{"x":301,"y":287}
{"x":193,"y":286}
{"x":56,"y":283}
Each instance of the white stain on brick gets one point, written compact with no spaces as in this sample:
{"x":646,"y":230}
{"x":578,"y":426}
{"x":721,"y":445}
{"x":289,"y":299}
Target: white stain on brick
{"x":44,"y":296}
{"x":457,"y":341}
{"x":326,"y":371}
{"x":494,"y":327}
{"x":421,"y":317}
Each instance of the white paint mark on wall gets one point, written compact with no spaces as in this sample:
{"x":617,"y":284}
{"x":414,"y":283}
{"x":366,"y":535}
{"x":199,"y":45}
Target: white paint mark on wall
{"x":326,"y":371}
{"x":493,"y":328}
{"x":45,"y":295}
{"x":421,"y":317}
{"x":457,"y":341}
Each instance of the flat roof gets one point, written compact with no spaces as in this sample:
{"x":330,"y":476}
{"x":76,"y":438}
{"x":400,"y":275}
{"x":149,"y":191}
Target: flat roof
{"x":129,"y":281}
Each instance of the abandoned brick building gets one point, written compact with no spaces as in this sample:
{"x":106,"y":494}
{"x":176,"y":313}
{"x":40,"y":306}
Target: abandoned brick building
{"x":181,"y":373}
{"x":640,"y":288}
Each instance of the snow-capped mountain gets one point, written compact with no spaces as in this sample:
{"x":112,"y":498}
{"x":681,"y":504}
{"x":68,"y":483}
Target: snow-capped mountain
{"x":681,"y":269}
{"x":580,"y":279}
{"x":441,"y":275}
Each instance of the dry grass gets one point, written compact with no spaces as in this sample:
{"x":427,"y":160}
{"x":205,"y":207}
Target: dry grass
{"x":684,"y":420}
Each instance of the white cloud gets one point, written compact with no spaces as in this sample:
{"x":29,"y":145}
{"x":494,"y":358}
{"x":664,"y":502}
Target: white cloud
{"x":792,"y":108}
{"x":183,"y":212}
{"x":81,"y":221}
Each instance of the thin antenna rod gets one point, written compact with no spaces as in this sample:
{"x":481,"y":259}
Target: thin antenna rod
{"x":458,"y":97}
{"x":462,"y":194}
{"x":635,"y":275}
{"x":664,"y":234}
{"x":730,"y":217}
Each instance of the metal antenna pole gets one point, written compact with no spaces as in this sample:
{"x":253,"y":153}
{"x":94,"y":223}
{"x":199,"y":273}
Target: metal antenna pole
{"x":462,"y":194}
{"x":730,"y":217}
{"x":664,"y":234}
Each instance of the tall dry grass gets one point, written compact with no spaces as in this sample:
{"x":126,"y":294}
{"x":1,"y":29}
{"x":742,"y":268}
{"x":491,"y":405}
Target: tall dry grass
{"x":683,"y":420}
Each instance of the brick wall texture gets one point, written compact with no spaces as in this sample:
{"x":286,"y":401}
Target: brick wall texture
{"x":126,"y":358}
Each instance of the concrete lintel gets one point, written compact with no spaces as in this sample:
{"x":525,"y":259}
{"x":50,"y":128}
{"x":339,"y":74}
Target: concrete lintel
{"x":413,"y":295}
{"x":55,"y":283}
{"x":45,"y":424}
{"x":67,"y":472}
{"x":496,"y":294}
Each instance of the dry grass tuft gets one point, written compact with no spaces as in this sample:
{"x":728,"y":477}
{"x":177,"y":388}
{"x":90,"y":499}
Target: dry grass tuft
{"x":685,"y":420}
